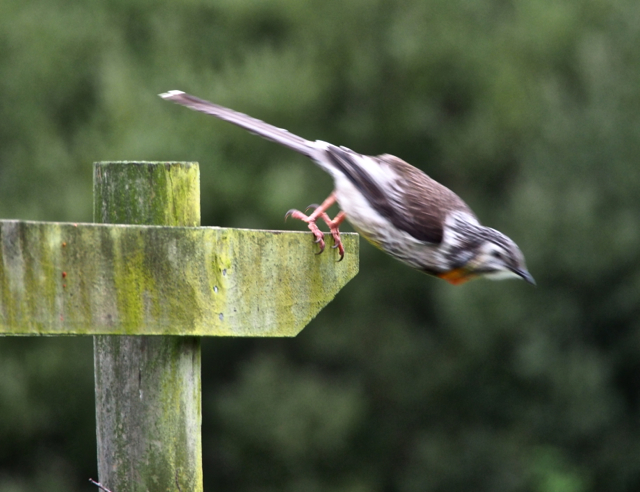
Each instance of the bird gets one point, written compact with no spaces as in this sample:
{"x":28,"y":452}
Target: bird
{"x":394,"y":205}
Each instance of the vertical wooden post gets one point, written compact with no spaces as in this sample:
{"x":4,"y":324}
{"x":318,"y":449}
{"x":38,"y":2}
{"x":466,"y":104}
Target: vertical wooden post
{"x":148,"y":402}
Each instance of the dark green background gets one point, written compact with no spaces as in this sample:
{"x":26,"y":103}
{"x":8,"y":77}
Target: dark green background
{"x":529,"y":109}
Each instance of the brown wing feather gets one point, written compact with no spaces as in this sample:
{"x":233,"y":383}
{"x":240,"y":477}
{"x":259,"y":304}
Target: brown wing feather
{"x":421,"y":202}
{"x":415,"y":204}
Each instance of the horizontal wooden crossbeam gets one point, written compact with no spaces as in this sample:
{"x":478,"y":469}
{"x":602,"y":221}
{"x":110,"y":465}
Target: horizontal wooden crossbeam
{"x":93,"y":279}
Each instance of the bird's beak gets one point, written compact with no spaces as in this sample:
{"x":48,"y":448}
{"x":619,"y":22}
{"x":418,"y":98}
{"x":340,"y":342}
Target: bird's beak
{"x":526,"y":276}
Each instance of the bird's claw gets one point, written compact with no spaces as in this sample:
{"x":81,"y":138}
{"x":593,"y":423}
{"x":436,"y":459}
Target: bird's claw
{"x":337,"y":243}
{"x":320,"y":242}
{"x":311,"y":223}
{"x":310,"y":220}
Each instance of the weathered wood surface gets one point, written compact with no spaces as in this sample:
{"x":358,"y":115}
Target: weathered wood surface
{"x":139,"y":280}
{"x":148,"y":412}
{"x":148,"y":398}
{"x":88,"y":279}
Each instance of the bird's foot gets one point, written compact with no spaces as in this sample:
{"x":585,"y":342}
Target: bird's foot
{"x":334,"y":225}
{"x":311,"y":223}
{"x":320,"y":212}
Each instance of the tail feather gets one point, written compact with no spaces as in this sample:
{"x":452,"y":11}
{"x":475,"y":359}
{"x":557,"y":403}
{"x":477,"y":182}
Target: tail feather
{"x":265,"y":130}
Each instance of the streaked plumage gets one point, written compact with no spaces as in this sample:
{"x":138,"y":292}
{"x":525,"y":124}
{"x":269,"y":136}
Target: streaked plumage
{"x":394,"y":205}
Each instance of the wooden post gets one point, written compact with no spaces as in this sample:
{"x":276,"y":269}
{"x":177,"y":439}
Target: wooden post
{"x":147,"y":292}
{"x":148,"y":403}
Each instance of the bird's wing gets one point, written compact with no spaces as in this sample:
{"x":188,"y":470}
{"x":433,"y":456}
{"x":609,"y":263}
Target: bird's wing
{"x":265,"y":130}
{"x":403,"y":194}
{"x":421,"y":201}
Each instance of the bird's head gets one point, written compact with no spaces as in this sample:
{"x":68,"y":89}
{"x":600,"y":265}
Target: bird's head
{"x":484,"y":252}
{"x":498,"y":257}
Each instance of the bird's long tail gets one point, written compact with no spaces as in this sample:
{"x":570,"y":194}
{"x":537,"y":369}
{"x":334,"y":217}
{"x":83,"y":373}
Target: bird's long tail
{"x":265,"y":130}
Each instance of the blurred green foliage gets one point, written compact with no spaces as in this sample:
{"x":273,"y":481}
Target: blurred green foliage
{"x":530,"y":110}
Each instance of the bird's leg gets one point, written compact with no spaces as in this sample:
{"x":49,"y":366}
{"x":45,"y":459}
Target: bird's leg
{"x":335,"y":232}
{"x":320,"y":212}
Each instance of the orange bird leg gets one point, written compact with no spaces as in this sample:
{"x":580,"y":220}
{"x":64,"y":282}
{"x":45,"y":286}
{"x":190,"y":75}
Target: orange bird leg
{"x":320,"y":212}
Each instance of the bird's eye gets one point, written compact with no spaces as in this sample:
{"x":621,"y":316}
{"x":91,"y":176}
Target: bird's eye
{"x":496,"y":254}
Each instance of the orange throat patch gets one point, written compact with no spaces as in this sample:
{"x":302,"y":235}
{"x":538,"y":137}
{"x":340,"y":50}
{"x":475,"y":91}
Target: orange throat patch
{"x":457,"y":276}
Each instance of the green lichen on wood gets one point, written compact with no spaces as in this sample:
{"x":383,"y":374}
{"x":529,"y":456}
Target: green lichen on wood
{"x":120,"y":193}
{"x":148,"y":402}
{"x":61,"y":278}
{"x":149,"y":414}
